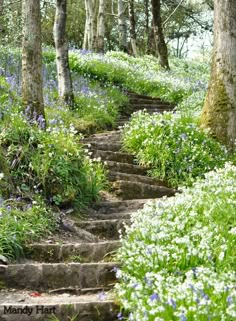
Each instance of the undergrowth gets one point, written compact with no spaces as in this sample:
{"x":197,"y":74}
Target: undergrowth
{"x":178,"y":257}
{"x":173,"y":147}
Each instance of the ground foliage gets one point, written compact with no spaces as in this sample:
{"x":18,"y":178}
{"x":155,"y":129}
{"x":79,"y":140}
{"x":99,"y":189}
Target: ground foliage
{"x":173,"y":146}
{"x":178,"y":257}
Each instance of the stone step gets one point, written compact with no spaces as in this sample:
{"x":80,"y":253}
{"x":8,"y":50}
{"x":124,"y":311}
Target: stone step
{"x":116,"y":176}
{"x":109,"y":146}
{"x":51,"y":276}
{"x":119,"y":157}
{"x":141,"y":96}
{"x":104,"y":229}
{"x":147,"y":101}
{"x":121,"y":123}
{"x":152,"y":107}
{"x":115,"y":138}
{"x":110,"y":207}
{"x":21,"y":306}
{"x":132,"y":190}
{"x":112,"y":216}
{"x":125,"y":168}
{"x":79,"y":252}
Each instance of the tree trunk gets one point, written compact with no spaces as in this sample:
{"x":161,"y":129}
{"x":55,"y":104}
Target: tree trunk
{"x":132,"y":28}
{"x":91,"y":24}
{"x":219,"y":111}
{"x":32,"y":84}
{"x":122,"y":26}
{"x":146,"y":2}
{"x":62,"y":58}
{"x":101,"y":26}
{"x":86,"y":28}
{"x":161,"y":47}
{"x":1,"y":16}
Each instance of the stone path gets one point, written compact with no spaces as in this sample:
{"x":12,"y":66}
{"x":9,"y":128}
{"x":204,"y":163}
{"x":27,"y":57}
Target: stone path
{"x":69,"y":278}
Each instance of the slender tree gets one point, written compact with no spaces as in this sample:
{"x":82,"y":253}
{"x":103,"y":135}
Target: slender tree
{"x":219,"y":112}
{"x":86,"y":28}
{"x":1,"y":15}
{"x":32,"y":85}
{"x":147,"y":30}
{"x":92,"y":30}
{"x":62,"y":58}
{"x":132,"y":28}
{"x":101,"y":26}
{"x":123,"y":44}
{"x":160,"y":45}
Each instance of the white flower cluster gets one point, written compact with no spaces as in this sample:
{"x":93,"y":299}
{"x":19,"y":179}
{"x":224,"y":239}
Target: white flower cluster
{"x":179,"y":255}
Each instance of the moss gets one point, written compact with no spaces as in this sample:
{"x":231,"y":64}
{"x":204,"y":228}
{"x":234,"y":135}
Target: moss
{"x":215,"y":114}
{"x":5,"y":183}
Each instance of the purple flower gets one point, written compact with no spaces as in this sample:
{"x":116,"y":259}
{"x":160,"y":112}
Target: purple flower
{"x":41,"y":122}
{"x":183,"y":136}
{"x":154,"y":297}
{"x":182,"y":317}
{"x":135,"y":285}
{"x":102,"y":296}
{"x":147,"y":281}
{"x":120,"y":316}
{"x":172,"y":303}
{"x":229,"y":300}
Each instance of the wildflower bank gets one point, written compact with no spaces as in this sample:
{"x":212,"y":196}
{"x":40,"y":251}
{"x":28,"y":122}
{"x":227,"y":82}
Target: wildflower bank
{"x":144,"y":76}
{"x":172,"y":146}
{"x":179,"y":255}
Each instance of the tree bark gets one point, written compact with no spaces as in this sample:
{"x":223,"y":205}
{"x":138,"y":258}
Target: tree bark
{"x":101,"y":26}
{"x":123,"y":44}
{"x":132,"y":28}
{"x":146,"y":3}
{"x":161,"y":47}
{"x":32,"y":84}
{"x":91,"y":24}
{"x":1,"y":16}
{"x":65,"y":89}
{"x":219,"y":111}
{"x":86,"y":28}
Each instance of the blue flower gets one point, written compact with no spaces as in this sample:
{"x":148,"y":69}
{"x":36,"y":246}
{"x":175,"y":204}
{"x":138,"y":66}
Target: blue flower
{"x":154,"y":297}
{"x":102,"y":296}
{"x":183,"y":136}
{"x":229,"y":300}
{"x":172,"y":303}
{"x":183,"y":317}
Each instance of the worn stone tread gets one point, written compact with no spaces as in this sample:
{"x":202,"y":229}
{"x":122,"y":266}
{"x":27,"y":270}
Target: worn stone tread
{"x":118,"y":215}
{"x":128,"y":190}
{"x":151,"y":101}
{"x":86,"y":252}
{"x":106,"y":146}
{"x":108,"y":228}
{"x":125,"y":168}
{"x":93,"y":307}
{"x":119,"y":157}
{"x":119,"y":206}
{"x":151,"y":106}
{"x":45,"y":276}
{"x":116,"y":176}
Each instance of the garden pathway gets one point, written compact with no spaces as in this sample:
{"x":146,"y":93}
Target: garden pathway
{"x":70,"y":278}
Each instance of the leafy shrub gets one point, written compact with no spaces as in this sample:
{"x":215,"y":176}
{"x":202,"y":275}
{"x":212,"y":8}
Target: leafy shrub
{"x":51,"y":162}
{"x":172,"y":146}
{"x":179,"y":256}
{"x":21,"y":223}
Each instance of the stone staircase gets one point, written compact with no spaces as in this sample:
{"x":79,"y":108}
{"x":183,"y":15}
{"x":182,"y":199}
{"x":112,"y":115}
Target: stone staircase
{"x":73,"y":278}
